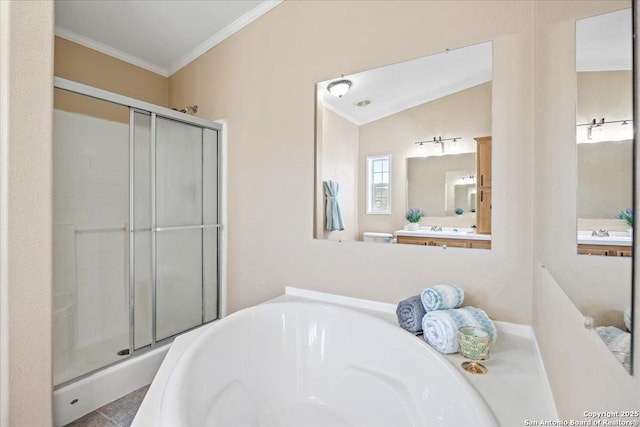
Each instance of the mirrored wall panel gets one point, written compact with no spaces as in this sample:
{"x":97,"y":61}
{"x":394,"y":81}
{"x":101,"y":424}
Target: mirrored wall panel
{"x":604,"y":144}
{"x":403,"y":152}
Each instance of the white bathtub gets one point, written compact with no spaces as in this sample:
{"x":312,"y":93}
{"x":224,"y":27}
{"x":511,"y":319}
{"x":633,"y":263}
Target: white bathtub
{"x":296,"y":363}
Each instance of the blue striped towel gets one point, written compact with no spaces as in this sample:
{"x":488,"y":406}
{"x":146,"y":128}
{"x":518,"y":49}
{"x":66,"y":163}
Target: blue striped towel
{"x":440,"y":327}
{"x":410,"y":312}
{"x":442,"y":297}
{"x":627,"y":319}
{"x":617,"y":340}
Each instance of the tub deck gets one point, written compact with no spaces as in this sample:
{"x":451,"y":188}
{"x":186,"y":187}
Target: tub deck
{"x":515,"y":389}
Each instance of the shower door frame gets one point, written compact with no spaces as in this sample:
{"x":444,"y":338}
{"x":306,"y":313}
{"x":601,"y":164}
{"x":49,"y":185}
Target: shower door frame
{"x":154,"y":111}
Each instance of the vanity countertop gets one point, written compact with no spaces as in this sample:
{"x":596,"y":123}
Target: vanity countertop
{"x":446,"y":233}
{"x":615,"y":238}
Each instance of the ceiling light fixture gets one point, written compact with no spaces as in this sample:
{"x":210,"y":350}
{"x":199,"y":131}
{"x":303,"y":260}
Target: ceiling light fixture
{"x":339,"y":87}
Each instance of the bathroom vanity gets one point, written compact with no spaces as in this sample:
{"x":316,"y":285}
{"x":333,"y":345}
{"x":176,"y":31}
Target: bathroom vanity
{"x":612,"y":244}
{"x":449,"y":237}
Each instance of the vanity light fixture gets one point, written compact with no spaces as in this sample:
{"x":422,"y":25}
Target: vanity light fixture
{"x":339,"y":87}
{"x":439,"y":140}
{"x":596,"y":129}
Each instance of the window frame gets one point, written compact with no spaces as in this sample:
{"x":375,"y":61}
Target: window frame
{"x":370,"y":186}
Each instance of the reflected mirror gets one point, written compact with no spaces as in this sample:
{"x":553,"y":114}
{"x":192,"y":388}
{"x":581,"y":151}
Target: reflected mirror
{"x":604,"y":137}
{"x":412,"y":137}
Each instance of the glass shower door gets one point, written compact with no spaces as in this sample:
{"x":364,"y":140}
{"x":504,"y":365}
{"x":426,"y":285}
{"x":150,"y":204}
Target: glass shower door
{"x":185,"y":234}
{"x":136,"y":227}
{"x":90,"y":230}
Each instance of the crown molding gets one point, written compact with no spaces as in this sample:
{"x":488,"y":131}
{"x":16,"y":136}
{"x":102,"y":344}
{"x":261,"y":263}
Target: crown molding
{"x":107,"y":50}
{"x":223,"y":34}
{"x":216,"y":39}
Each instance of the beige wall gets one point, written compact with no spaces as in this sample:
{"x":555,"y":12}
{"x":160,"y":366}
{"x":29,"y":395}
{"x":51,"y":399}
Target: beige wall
{"x":26,"y":99}
{"x":340,"y":164}
{"x":265,"y":88}
{"x":465,"y":114}
{"x":88,"y":66}
{"x":605,"y":94}
{"x":583,"y":374}
{"x":83,"y":65}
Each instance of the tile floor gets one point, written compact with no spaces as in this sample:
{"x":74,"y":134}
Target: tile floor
{"x":118,"y":413}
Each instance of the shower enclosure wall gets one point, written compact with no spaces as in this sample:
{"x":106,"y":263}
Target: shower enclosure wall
{"x":137,"y":231}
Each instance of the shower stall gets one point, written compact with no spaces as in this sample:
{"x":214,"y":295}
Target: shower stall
{"x":137,"y":227}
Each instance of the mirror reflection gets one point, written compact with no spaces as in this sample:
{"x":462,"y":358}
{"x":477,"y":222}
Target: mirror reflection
{"x":403,"y":152}
{"x":604,"y":136}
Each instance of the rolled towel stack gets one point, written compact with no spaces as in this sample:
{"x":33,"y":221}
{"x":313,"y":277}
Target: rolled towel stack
{"x":410,"y":312}
{"x":627,"y":318}
{"x":442,"y":297}
{"x":440,"y":327}
{"x":439,"y":297}
{"x":617,"y":340}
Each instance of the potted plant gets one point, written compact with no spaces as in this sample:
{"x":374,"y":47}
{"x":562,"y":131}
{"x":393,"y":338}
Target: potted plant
{"x":459,"y":211}
{"x":413,"y":216}
{"x":627,"y":216}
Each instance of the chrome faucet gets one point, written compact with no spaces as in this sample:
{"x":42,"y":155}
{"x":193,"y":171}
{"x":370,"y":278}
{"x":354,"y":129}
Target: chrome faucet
{"x":603,"y":232}
{"x":436,"y":228}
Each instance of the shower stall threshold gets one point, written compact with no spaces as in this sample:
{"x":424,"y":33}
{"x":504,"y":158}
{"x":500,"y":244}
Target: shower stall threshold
{"x":90,"y":393}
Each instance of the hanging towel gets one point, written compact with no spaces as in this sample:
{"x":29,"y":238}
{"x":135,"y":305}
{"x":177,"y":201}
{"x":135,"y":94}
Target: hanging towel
{"x":627,"y":319}
{"x":442,"y":297}
{"x":410,"y":313}
{"x":440,"y":327}
{"x":334,"y":216}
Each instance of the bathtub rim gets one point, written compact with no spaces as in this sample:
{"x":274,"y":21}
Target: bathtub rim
{"x":535,"y":402}
{"x":478,"y":406}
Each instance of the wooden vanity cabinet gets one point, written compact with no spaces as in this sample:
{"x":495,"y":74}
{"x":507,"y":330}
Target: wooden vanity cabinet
{"x":483,"y":183}
{"x":604,"y":250}
{"x":451,"y":243}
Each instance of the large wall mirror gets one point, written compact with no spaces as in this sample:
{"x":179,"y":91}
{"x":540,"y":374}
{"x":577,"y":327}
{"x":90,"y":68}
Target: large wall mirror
{"x":403,"y":139}
{"x":604,"y":144}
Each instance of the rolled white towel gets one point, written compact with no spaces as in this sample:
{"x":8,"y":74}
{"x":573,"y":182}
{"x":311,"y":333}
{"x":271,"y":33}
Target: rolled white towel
{"x":440,"y":327}
{"x":617,"y":340}
{"x":442,"y":297}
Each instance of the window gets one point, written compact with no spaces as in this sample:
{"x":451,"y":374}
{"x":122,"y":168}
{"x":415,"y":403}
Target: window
{"x":379,"y":184}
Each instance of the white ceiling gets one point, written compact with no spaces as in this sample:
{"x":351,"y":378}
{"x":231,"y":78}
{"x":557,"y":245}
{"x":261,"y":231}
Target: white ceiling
{"x":159,"y":35}
{"x":396,"y":87}
{"x":604,"y":42}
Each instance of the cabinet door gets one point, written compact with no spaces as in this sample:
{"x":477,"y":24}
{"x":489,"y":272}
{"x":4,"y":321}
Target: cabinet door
{"x":483,"y":214}
{"x":593,"y":250}
{"x":480,"y":244}
{"x":413,"y":240}
{"x":451,"y":243}
{"x":624,"y":252}
{"x":484,"y":161}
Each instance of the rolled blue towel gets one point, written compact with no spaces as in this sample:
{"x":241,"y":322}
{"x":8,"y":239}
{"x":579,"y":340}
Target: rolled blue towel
{"x":617,"y":340}
{"x":410,"y":312}
{"x":442,"y":297}
{"x":440,"y":327}
{"x":627,"y":319}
